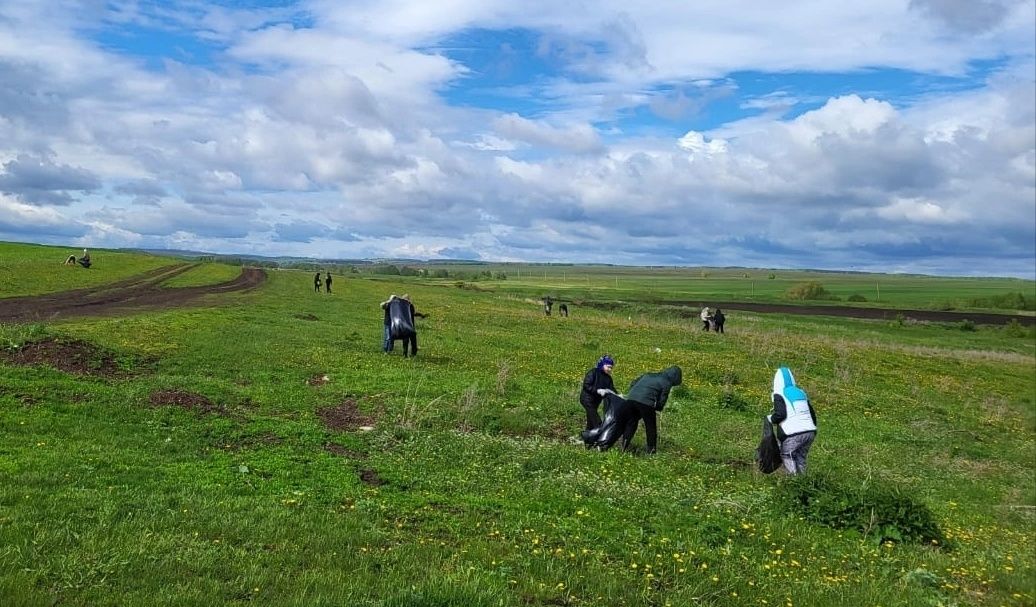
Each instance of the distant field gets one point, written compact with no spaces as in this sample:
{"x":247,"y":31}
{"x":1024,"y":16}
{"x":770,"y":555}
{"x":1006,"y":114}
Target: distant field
{"x":260,"y":449}
{"x":724,"y":284}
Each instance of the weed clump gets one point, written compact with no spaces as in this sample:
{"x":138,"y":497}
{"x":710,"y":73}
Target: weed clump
{"x":884,"y":512}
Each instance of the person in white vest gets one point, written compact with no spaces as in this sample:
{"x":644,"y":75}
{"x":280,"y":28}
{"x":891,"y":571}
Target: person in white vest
{"x":794,"y":421}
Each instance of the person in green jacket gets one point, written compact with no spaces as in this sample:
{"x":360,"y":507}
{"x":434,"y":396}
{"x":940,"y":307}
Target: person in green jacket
{"x":647,"y":396}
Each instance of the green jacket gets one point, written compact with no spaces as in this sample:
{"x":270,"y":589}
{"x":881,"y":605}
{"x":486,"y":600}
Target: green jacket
{"x":652,"y":389}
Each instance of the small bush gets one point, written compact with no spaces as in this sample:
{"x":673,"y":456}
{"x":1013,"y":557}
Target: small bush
{"x":771,"y":276}
{"x":811,"y":290}
{"x":883,"y":512}
{"x":732,"y":401}
{"x":856,"y":297}
{"x":1016,"y":329}
{"x":966,"y":325}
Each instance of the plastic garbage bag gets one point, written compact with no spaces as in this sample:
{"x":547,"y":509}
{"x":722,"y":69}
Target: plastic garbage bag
{"x":401,"y":319}
{"x":768,"y":453}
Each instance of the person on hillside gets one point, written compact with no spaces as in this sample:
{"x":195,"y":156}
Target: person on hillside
{"x":548,"y":303}
{"x":706,"y":318}
{"x":84,"y":260}
{"x":317,"y":283}
{"x":327,"y":282}
{"x":794,"y":421}
{"x":563,"y":310}
{"x":399,"y":324}
{"x":647,"y":397}
{"x":718,"y":318}
{"x":70,"y":260}
{"x":596,"y":379}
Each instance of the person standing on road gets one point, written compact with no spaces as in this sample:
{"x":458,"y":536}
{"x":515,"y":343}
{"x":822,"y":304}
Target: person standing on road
{"x":794,"y":421}
{"x":596,"y":379}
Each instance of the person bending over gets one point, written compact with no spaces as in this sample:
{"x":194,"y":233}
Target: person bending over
{"x":596,"y":379}
{"x":794,"y":421}
{"x":647,"y":397}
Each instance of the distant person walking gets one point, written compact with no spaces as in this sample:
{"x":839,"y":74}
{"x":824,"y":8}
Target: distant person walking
{"x":327,"y":282}
{"x":317,"y":283}
{"x":596,"y":379}
{"x":717,"y":320}
{"x":794,"y":421}
{"x":706,"y":318}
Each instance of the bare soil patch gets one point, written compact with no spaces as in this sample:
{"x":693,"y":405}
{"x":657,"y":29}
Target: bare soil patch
{"x":185,"y":400}
{"x":140,"y":292}
{"x":318,"y":380}
{"x":344,"y":417}
{"x":370,"y":477}
{"x":68,"y":355}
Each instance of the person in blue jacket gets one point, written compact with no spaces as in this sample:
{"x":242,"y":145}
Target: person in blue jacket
{"x":794,"y":421}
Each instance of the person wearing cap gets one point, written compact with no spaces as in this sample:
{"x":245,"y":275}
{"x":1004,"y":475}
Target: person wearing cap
{"x":794,"y":421}
{"x":648,"y":395}
{"x":597,"y":378}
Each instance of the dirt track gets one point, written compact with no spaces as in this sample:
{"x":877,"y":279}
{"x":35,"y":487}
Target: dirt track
{"x":141,"y":292}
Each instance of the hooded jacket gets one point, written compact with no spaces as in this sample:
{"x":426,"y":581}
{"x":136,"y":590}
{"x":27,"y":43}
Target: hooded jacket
{"x":652,"y":389}
{"x":792,"y":412}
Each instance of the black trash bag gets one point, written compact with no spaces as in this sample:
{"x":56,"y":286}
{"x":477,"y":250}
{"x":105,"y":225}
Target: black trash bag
{"x":614,"y":422}
{"x":768,"y":453}
{"x":401,"y":319}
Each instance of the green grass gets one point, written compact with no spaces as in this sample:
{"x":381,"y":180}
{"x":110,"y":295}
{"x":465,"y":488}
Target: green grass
{"x":484,"y":499}
{"x":204,"y":274}
{"x":35,"y":269}
{"x":705,"y":285}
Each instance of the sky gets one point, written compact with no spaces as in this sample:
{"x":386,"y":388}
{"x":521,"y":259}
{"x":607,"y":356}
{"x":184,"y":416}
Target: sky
{"x":887,"y":136}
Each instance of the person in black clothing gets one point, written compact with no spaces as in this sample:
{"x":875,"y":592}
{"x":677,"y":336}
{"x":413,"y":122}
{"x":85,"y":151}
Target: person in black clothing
{"x":596,"y":379}
{"x":563,"y":310}
{"x":717,"y":320}
{"x":647,"y":396}
{"x":399,"y":324}
{"x":85,"y":259}
{"x":327,"y":282}
{"x":548,"y":303}
{"x":316,"y":283}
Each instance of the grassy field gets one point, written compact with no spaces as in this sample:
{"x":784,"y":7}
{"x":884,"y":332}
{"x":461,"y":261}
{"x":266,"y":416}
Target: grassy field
{"x":666,"y":284}
{"x":215,"y":456}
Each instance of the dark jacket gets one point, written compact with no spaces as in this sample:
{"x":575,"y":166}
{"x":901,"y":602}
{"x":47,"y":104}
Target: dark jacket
{"x":595,"y":379}
{"x":652,"y":389}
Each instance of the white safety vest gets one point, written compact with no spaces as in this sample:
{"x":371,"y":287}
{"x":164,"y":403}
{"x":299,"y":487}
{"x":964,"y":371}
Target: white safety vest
{"x":799,"y":419}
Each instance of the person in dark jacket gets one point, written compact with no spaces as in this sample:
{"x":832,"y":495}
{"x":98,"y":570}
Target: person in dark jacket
{"x":399,"y":324}
{"x":317,"y":282}
{"x":794,"y":421}
{"x":647,"y":396}
{"x":718,"y":318}
{"x":598,"y":378}
{"x":85,"y":259}
{"x":327,"y":282}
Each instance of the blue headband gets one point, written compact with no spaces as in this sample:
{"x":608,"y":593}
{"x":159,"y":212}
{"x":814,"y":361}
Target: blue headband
{"x":605,"y":360}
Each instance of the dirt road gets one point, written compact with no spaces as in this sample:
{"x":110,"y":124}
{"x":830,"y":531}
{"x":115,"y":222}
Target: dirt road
{"x":137,"y":293}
